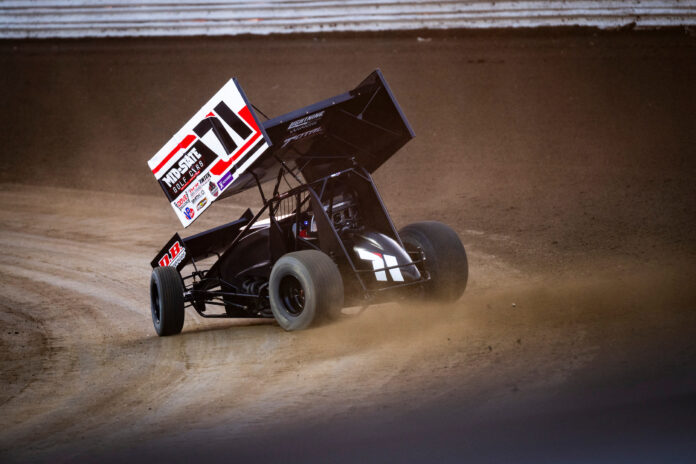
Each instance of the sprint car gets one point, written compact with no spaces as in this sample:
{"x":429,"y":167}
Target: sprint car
{"x":323,"y":239}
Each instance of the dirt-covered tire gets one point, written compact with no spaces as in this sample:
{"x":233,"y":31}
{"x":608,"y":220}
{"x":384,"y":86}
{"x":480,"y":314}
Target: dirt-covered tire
{"x":167,"y":301}
{"x":446,"y":260}
{"x":305,"y":286}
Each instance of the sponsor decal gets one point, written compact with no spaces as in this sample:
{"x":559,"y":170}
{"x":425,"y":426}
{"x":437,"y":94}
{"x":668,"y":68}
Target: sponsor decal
{"x":204,"y":178}
{"x":213,"y":189}
{"x":186,"y":168}
{"x":197,"y":197}
{"x":306,"y":122}
{"x":182,"y":200}
{"x":302,"y":135}
{"x":225,"y":181}
{"x":195,"y":189}
{"x":201,"y":204}
{"x":189,"y":213}
{"x":174,"y":256}
{"x":189,"y":160}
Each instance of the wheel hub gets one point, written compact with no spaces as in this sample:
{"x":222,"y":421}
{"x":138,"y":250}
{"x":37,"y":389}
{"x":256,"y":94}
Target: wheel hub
{"x":292,"y":294}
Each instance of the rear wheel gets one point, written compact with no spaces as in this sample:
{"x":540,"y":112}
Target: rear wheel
{"x":305,"y":286}
{"x":445,"y":259}
{"x":167,"y":301}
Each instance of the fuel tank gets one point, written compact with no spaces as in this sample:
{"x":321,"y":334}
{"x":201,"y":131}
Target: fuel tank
{"x":380,"y":253}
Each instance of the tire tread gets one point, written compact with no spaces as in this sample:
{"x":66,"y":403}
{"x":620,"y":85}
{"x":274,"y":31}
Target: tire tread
{"x":171,"y":297}
{"x":446,"y":258}
{"x":327,"y":282}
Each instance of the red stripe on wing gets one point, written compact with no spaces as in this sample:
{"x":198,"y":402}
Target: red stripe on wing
{"x":182,"y":145}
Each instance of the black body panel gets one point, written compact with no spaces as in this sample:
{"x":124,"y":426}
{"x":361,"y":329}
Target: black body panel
{"x":215,"y":241}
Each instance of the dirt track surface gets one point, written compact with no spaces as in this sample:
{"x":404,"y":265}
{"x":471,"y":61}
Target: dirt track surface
{"x":565,"y":163}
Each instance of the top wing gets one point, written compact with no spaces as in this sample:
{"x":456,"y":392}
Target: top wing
{"x":209,"y":153}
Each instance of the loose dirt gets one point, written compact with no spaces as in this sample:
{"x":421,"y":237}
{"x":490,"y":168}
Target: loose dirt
{"x":565,"y":163}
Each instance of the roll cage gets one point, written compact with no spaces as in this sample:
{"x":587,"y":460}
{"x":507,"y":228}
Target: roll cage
{"x":291,"y":215}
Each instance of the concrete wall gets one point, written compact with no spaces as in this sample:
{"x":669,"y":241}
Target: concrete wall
{"x":119,"y":18}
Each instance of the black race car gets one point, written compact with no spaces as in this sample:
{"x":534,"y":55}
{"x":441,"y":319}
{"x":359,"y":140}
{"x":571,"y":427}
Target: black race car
{"x":323,"y":239}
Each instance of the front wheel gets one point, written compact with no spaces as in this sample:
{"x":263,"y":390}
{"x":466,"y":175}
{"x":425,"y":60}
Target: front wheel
{"x":445,"y":259}
{"x":305,"y":286}
{"x":167,"y":301}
